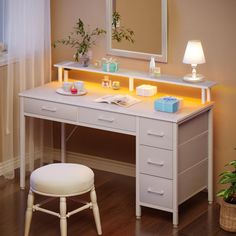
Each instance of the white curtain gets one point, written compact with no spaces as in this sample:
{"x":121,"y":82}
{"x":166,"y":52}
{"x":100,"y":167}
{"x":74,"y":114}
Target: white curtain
{"x":29,"y":65}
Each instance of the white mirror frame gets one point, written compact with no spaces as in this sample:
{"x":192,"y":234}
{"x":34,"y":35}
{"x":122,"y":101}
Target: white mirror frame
{"x":132,"y":54}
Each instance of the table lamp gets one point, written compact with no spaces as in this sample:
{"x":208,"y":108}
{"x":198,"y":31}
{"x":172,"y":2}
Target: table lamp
{"x":194,"y":55}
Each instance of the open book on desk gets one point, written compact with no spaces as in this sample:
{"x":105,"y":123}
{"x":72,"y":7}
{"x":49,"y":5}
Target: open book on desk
{"x":118,"y":99}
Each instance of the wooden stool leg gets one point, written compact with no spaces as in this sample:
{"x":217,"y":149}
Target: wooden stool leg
{"x":63,"y":222}
{"x":96,"y":211}
{"x":29,"y":211}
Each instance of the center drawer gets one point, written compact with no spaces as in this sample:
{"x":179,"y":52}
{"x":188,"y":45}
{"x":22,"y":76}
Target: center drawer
{"x":50,"y":109}
{"x":107,"y":119}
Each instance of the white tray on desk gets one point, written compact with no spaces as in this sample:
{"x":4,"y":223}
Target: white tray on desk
{"x":62,"y":92}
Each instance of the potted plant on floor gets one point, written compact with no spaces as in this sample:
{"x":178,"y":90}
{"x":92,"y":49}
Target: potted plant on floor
{"x":82,"y":40}
{"x":228,"y":206}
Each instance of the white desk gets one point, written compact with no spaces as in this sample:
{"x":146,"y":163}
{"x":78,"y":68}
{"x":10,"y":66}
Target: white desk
{"x":173,"y":151}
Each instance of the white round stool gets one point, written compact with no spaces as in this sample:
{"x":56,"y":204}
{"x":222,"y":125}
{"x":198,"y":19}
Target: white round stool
{"x":62,"y":180}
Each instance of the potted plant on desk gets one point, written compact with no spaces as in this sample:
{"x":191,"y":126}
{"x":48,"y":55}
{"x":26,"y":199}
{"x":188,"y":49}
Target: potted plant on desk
{"x":228,"y":206}
{"x":82,"y":40}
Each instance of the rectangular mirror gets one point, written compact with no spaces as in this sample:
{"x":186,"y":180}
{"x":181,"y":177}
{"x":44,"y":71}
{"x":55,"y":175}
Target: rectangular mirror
{"x":137,"y":29}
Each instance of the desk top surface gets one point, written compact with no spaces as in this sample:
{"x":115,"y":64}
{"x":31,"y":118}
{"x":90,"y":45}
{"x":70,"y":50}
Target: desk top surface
{"x":145,"y":108}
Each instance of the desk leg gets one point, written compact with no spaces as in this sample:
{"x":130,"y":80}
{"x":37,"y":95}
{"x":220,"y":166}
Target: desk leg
{"x":63,"y":143}
{"x":131,"y":84}
{"x":210,"y":156}
{"x":60,"y":74}
{"x":138,"y":207}
{"x":175,"y":176}
{"x":22,"y":144}
{"x":203,"y":96}
{"x":208,"y":95}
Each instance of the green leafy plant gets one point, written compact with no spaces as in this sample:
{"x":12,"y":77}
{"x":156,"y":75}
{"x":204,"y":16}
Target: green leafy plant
{"x":81,"y":39}
{"x":120,"y":32}
{"x":229,"y":178}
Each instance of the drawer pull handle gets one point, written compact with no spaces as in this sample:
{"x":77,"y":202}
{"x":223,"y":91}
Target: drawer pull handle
{"x":52,"y":109}
{"x":161,"y":193}
{"x":110,"y":120}
{"x":149,"y":161}
{"x":155,"y":134}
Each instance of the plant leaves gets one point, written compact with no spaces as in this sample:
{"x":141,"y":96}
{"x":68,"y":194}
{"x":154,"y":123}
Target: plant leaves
{"x":81,"y":39}
{"x":232,"y":163}
{"x":120,"y":33}
{"x":220,"y":193}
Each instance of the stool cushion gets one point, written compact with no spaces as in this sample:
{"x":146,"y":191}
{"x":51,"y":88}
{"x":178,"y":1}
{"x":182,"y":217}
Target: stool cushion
{"x":62,"y":179}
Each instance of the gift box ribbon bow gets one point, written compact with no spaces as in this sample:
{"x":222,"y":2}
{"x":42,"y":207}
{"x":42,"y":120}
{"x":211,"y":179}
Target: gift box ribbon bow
{"x":108,"y":60}
{"x":169,"y":99}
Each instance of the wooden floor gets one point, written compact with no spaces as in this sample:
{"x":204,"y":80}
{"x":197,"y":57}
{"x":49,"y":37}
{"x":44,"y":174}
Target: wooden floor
{"x":116,"y":198}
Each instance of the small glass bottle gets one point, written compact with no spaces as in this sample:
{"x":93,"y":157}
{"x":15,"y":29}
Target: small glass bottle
{"x":152,"y":66}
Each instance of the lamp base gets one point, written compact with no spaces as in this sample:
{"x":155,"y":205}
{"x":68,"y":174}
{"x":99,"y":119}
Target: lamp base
{"x":189,"y":78}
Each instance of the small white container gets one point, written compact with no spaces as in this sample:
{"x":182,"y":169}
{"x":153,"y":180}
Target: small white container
{"x":157,"y":71}
{"x":67,"y":86}
{"x":146,"y":90}
{"x":79,"y":85}
{"x":152,"y":66}
{"x":116,"y":85}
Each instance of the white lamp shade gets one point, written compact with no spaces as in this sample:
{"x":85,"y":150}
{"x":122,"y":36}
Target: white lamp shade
{"x":194,"y":53}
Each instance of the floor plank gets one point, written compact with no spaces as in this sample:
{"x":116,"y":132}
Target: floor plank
{"x":116,"y":198}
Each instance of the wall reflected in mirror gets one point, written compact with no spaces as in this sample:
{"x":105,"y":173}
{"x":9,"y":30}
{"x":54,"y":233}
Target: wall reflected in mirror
{"x":144,"y":19}
{"x":137,"y":28}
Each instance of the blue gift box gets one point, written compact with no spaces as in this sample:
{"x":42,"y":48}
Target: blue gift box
{"x":166,"y":104}
{"x":110,"y":67}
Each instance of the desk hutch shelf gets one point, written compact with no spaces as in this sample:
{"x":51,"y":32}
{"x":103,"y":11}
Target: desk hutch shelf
{"x":204,"y":86}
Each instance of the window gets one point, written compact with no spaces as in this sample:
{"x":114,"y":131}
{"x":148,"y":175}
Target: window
{"x":1,"y":20}
{"x":3,"y":23}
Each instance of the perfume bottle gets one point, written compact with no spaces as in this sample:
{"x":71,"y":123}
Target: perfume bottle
{"x":152,"y":66}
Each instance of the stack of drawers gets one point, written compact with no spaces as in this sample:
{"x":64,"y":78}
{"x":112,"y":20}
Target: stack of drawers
{"x":156,"y":163}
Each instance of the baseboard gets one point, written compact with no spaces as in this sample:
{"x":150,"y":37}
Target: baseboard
{"x":6,"y":166}
{"x":95,"y":162}
{"x":14,"y":163}
{"x":50,"y":154}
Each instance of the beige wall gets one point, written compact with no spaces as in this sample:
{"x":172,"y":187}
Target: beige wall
{"x":211,"y":21}
{"x":144,"y":18}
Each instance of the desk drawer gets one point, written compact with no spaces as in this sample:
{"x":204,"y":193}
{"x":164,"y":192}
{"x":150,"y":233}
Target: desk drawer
{"x":156,"y":191}
{"x":156,"y":133}
{"x":107,"y":119}
{"x":50,"y":109}
{"x":155,"y":161}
